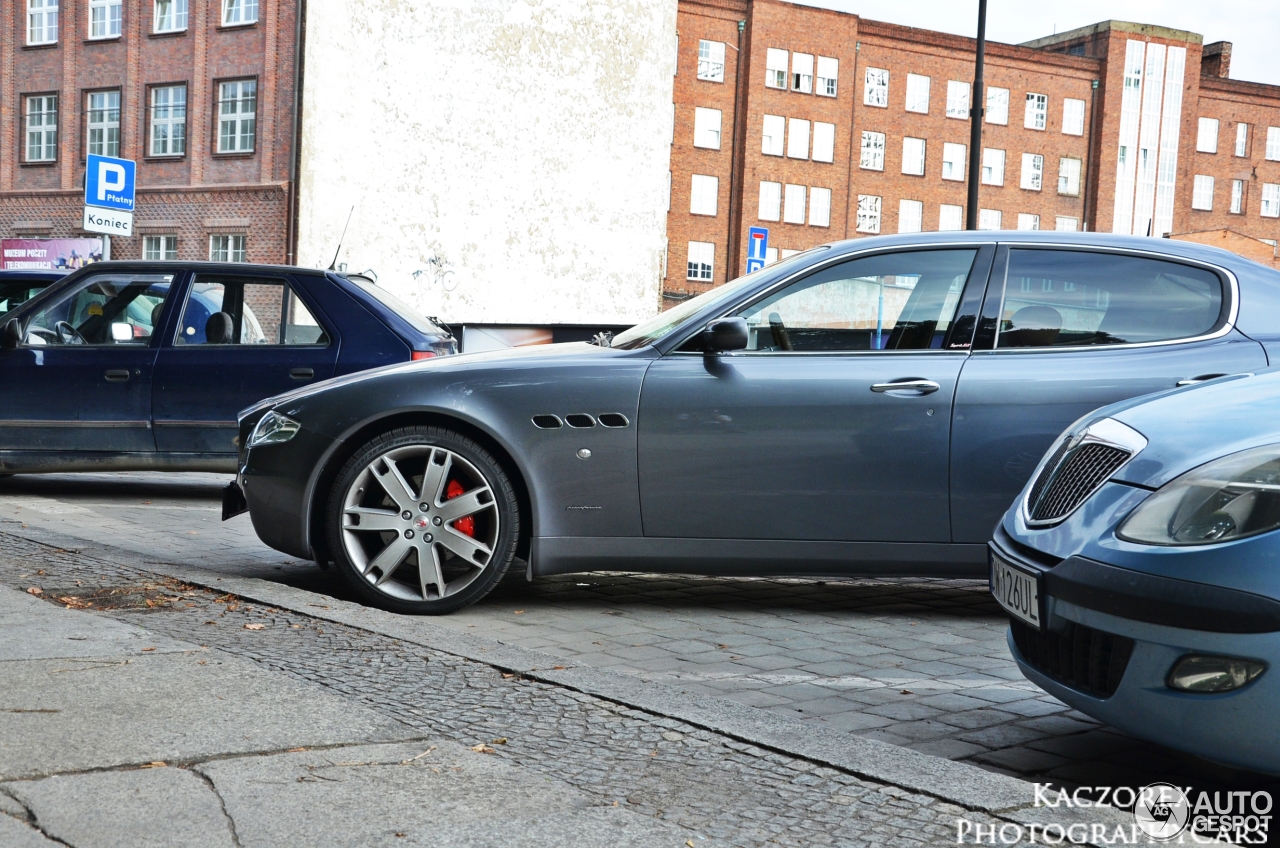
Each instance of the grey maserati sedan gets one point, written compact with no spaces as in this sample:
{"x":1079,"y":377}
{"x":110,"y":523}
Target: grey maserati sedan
{"x":868,"y":407}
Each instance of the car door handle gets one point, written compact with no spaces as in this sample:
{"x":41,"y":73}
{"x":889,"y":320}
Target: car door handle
{"x":117,"y":375}
{"x":1191,"y":381}
{"x":301,"y":373}
{"x":908,"y":384}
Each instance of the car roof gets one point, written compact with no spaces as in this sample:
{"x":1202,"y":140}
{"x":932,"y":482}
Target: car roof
{"x":41,"y":274}
{"x":179,"y":265}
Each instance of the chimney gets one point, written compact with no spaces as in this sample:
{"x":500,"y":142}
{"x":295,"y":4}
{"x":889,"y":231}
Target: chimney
{"x":1215,"y":61}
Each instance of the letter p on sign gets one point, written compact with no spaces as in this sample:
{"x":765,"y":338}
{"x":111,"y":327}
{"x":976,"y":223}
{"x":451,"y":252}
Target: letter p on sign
{"x":110,"y":178}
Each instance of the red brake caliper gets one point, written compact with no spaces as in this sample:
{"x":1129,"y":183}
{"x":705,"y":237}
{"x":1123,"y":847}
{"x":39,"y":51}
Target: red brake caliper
{"x":467,"y":524}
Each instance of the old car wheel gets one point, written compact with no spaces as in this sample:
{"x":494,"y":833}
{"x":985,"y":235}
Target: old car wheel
{"x":423,"y":520}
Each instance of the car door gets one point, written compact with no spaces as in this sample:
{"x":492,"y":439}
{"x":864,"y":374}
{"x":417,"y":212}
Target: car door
{"x":804,"y":435}
{"x":81,"y":378}
{"x":241,"y":337}
{"x":1065,"y":331}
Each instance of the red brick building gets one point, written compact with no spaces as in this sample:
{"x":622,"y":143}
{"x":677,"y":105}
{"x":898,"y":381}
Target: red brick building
{"x":201,"y":93}
{"x":821,"y":125}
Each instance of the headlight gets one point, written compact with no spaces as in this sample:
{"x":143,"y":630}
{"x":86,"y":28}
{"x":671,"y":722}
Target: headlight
{"x":272,"y":429}
{"x":1221,"y":501}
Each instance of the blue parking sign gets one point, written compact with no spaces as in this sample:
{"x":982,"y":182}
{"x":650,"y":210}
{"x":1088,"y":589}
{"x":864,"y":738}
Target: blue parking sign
{"x":109,"y":182}
{"x":757,"y":245}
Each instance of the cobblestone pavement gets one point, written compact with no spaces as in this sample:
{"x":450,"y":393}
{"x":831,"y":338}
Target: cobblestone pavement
{"x":917,"y":663}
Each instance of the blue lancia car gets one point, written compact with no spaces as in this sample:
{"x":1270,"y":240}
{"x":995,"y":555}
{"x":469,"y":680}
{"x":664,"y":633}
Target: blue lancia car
{"x":1141,"y":569}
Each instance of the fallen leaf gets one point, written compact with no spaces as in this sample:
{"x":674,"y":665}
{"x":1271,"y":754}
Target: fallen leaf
{"x":557,"y":668}
{"x":40,"y":571}
{"x":144,"y":650}
{"x":506,"y":676}
{"x":907,"y":692}
{"x":295,"y":750}
{"x":156,"y":764}
{"x":201,"y":662}
{"x":722,"y":646}
{"x":519,"y":612}
{"x":211,"y":622}
{"x":689,"y":842}
{"x":254,"y":626}
{"x":295,"y":626}
{"x":483,"y":749}
{"x":735,"y":658}
{"x":501,"y":740}
{"x":35,"y":590}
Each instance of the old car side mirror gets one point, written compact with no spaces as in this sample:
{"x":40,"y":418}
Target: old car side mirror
{"x":12,"y":335}
{"x":725,"y":334}
{"x":121,"y":331}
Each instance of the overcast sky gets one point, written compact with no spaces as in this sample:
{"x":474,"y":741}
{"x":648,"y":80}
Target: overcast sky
{"x":1253,"y":26}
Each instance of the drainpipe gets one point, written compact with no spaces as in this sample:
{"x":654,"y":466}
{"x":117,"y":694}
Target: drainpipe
{"x":739,"y":137}
{"x":854,"y":149}
{"x":1090,"y":157}
{"x":291,"y":219}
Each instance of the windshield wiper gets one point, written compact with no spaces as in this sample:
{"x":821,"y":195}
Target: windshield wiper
{"x":602,"y":339}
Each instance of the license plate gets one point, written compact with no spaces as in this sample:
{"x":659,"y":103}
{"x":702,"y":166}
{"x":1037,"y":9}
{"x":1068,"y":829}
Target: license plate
{"x":1016,"y":590}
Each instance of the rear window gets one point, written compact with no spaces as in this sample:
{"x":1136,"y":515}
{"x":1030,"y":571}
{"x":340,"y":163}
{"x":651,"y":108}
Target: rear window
{"x":411,"y":316}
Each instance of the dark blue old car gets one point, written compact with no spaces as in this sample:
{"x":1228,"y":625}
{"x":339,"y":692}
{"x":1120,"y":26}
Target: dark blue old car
{"x":144,"y":365}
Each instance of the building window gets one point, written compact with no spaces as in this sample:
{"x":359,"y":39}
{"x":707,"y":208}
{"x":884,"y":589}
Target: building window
{"x":1237,"y":197}
{"x":875,"y":90}
{"x":706,"y":128}
{"x":1069,"y":176}
{"x":775,"y":68}
{"x":711,"y":61}
{"x":988,"y":219}
{"x":910,"y":216}
{"x":42,"y":21}
{"x":238,"y":12}
{"x":953,"y":161}
{"x":771,"y":142}
{"x":702,"y":258}
{"x":1032,"y":171}
{"x":169,"y":120}
{"x":704,"y":193}
{"x":226,"y":248}
{"x":802,"y":72}
{"x":770,"y":201}
{"x":41,"y":116}
{"x":1202,"y":193}
{"x":1242,"y":139}
{"x":237,"y":116}
{"x":950,"y":217}
{"x":159,"y":247}
{"x":1270,"y":200}
{"x":819,"y":207}
{"x":828,"y":75}
{"x":1273,"y":143}
{"x":1037,"y":113}
{"x":868,"y":213}
{"x":917,"y":93}
{"x":998,"y":106}
{"x":793,"y":208}
{"x":1027,"y":221}
{"x":992,"y":166}
{"x":797,"y":138}
{"x":957,"y":99}
{"x":824,"y":142}
{"x":1207,"y":137}
{"x":913,"y":156}
{"x":103,"y":109}
{"x":171,"y":16}
{"x":1066,"y":223}
{"x":872,"y":158}
{"x":1073,"y":116}
{"x":104,"y":18}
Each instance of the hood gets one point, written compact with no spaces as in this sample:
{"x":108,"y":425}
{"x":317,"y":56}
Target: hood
{"x":1186,"y":428}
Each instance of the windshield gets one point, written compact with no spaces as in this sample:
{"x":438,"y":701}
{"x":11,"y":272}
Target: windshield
{"x":648,"y":332}
{"x":399,"y":307}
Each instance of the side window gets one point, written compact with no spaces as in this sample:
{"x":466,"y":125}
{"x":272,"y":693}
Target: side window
{"x":246,"y":311}
{"x":894,"y":301}
{"x":102,"y":310}
{"x":1061,"y":298}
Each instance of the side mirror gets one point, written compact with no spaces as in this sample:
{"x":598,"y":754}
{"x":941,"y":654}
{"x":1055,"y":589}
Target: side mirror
{"x":121,"y":332}
{"x":725,"y":334}
{"x":12,"y":336}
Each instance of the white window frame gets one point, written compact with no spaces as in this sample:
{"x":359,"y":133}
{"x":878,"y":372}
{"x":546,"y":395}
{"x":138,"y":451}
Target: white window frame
{"x":997,"y":106}
{"x":42,"y":22}
{"x":797,"y":138}
{"x":160,"y":248}
{"x":1242,"y":139}
{"x":918,"y":94}
{"x":989,"y":219}
{"x":701,"y":262}
{"x":802,"y":72}
{"x":105,"y":18}
{"x":870,"y":213}
{"x":993,"y":166}
{"x":710,"y":60}
{"x":1207,"y":135}
{"x":828,"y":76}
{"x":824,"y":142}
{"x":794,"y":200}
{"x":704,"y":195}
{"x":1028,"y":221}
{"x":45,"y":128}
{"x":954,"y":160}
{"x":910,"y":216}
{"x":228,"y":247}
{"x":168,"y":128}
{"x":950,"y":217}
{"x":914,"y":151}
{"x":1270,"y":207}
{"x":239,"y":12}
{"x":770,"y":201}
{"x":706,"y":127}
{"x":819,"y":206}
{"x":1031,"y":178}
{"x":102,"y":122}
{"x":1237,"y":197}
{"x":871,"y":155}
{"x":1066,"y":223}
{"x":169,"y":16}
{"x":1069,"y":169}
{"x":875,"y":88}
{"x":1036,"y":116}
{"x":1202,"y":193}
{"x":773,"y":136}
{"x":1072,"y":116}
{"x":775,"y":73}
{"x":1273,"y":144}
{"x":242,"y":121}
{"x":958,"y":99}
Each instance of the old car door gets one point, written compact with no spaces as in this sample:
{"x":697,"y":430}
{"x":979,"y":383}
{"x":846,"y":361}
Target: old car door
{"x":833,"y":424}
{"x":80,"y":380}
{"x":1065,"y":331}
{"x":241,"y":337}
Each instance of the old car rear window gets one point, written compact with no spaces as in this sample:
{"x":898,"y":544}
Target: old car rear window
{"x":398,"y":306}
{"x":1070,"y":298}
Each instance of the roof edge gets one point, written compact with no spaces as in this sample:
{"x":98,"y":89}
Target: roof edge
{"x":1114,"y":26}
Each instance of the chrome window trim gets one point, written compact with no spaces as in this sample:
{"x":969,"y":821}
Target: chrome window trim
{"x":1106,"y":431}
{"x":1233,"y":309}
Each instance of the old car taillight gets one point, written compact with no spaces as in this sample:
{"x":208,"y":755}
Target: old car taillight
{"x":467,"y":524}
{"x":422,"y":354}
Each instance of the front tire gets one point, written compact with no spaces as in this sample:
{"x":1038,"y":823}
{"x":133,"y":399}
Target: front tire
{"x":423,"y":520}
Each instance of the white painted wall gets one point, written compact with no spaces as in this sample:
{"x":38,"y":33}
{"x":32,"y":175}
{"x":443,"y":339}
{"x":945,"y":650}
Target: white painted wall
{"x":507,"y":159}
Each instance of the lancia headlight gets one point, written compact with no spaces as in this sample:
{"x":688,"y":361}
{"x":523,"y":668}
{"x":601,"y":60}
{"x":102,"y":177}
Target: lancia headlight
{"x":273,"y":429}
{"x":1230,"y":498}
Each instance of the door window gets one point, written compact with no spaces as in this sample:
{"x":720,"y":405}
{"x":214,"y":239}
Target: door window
{"x":1062,"y":298}
{"x":246,"y":311}
{"x":104,"y":309}
{"x":893,"y":301}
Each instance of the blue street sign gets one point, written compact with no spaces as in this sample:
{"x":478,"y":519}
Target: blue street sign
{"x":757,"y":244}
{"x":109,"y":182}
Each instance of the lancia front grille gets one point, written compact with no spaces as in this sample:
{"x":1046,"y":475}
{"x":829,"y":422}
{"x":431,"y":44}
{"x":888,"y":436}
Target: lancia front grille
{"x":1077,"y":468}
{"x":1085,"y":659}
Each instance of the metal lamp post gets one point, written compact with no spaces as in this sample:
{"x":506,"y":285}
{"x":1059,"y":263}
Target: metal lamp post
{"x":977,"y":102}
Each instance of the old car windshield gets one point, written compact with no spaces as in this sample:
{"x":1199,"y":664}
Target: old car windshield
{"x":648,"y":332}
